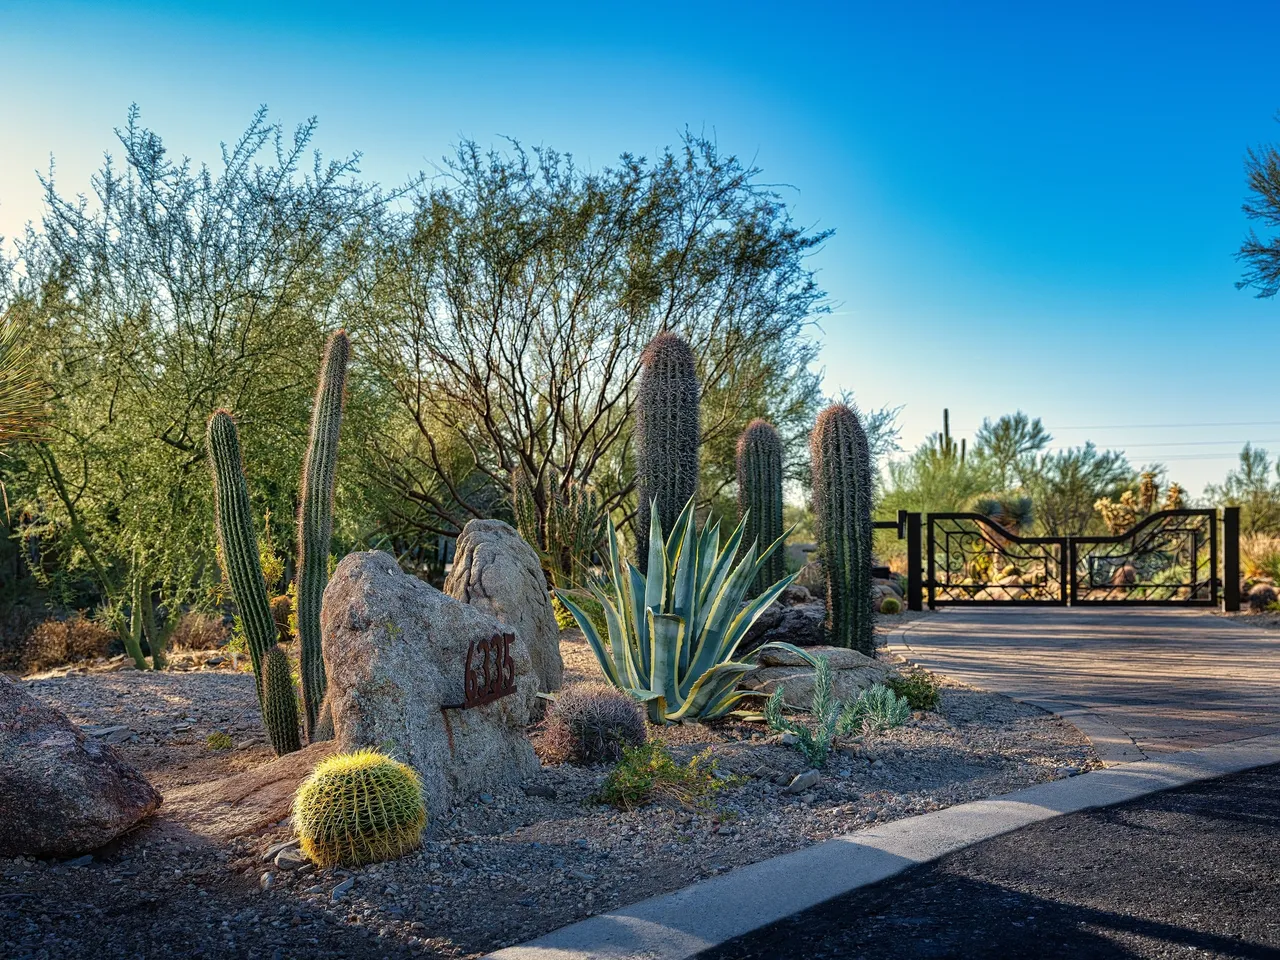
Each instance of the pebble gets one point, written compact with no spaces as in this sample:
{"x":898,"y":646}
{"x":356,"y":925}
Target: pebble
{"x":542,"y":790}
{"x":267,"y":881}
{"x":803,"y":781}
{"x":290,"y":858}
{"x":341,"y":889}
{"x":275,"y":849}
{"x":486,"y":798}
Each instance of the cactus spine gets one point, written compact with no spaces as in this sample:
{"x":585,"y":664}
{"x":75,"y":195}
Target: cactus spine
{"x":667,"y":433}
{"x":842,"y":510}
{"x":315,"y":520}
{"x":759,"y":462}
{"x":238,"y":541}
{"x":279,"y":703}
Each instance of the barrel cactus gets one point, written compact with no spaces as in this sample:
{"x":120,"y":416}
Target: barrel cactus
{"x":357,"y":808}
{"x":279,"y":702}
{"x":238,"y":541}
{"x":759,"y":461}
{"x":667,"y":434}
{"x":842,"y":511}
{"x":315,"y":520}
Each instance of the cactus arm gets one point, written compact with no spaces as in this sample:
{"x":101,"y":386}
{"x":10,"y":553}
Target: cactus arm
{"x":279,"y":703}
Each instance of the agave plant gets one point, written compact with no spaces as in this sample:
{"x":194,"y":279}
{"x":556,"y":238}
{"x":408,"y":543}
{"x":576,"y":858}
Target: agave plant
{"x":672,"y":634}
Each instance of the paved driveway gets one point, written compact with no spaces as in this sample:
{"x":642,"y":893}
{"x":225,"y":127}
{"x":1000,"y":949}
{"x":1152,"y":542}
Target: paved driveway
{"x":1137,"y":682}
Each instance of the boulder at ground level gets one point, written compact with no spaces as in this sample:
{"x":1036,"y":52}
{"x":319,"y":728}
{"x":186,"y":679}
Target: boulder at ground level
{"x":395,"y":650}
{"x":851,"y":673}
{"x":245,"y":802}
{"x":61,"y":793}
{"x":494,"y":570}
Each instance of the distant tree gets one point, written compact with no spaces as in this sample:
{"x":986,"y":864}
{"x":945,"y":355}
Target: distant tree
{"x":1064,"y":486}
{"x":1008,"y":446}
{"x":1261,"y":255}
{"x":1255,"y":488}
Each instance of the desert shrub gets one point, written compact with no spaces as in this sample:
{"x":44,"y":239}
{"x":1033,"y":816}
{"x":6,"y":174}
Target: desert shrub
{"x":1260,"y":557}
{"x":918,"y":688}
{"x":649,"y":773}
{"x":55,"y":642}
{"x":1262,"y":596}
{"x":890,"y":605}
{"x":199,"y":631}
{"x":360,"y":807}
{"x":219,"y":741}
{"x":879,"y":708}
{"x":592,"y":723}
{"x":15,"y":627}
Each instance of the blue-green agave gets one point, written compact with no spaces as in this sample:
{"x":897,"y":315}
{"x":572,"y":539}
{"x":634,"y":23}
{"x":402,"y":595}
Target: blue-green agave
{"x":673,"y":633}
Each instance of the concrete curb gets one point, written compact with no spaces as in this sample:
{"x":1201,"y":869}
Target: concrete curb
{"x":681,"y":924}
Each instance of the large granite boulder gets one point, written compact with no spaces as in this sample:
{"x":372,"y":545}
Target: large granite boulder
{"x":494,"y":570}
{"x":395,"y":651}
{"x":61,"y":793}
{"x":851,"y":673}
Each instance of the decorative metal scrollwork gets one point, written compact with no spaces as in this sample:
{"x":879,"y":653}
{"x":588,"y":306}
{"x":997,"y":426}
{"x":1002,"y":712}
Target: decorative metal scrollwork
{"x":972,"y":559}
{"x":1170,"y":557}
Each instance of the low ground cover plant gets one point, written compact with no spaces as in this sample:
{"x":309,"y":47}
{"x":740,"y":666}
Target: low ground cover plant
{"x":649,"y":773}
{"x":917,"y":687}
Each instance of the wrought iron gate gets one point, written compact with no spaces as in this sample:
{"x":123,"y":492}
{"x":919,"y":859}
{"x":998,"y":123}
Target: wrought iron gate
{"x":1170,"y":557}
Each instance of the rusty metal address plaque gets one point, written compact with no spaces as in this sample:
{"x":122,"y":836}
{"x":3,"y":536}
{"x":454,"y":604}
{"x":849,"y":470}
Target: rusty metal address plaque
{"x":490,"y":672}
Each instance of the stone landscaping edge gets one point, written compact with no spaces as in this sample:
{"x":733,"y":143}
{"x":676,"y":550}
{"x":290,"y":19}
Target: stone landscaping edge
{"x":681,"y":924}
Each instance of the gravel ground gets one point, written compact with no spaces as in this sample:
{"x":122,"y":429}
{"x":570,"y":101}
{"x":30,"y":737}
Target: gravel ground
{"x":496,"y":871}
{"x":1193,"y":872}
{"x":1266,"y":619}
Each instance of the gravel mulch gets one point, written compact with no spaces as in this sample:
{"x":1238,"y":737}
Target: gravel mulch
{"x":493,"y":872}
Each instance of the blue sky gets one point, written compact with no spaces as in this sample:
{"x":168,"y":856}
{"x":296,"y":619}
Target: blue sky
{"x":1034,"y":207}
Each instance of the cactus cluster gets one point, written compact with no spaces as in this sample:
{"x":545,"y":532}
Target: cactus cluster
{"x":667,"y":434}
{"x":565,"y":531}
{"x":842,"y":495}
{"x":357,"y":808}
{"x":242,"y":558}
{"x":759,"y":463}
{"x":315,"y":520}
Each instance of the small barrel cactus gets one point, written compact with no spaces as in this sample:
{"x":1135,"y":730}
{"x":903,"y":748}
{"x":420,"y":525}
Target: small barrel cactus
{"x":759,"y":462}
{"x":360,"y":807}
{"x":279,"y":702}
{"x":1261,"y":596}
{"x":842,"y":511}
{"x":890,"y":605}
{"x":667,"y":434}
{"x":592,"y":723}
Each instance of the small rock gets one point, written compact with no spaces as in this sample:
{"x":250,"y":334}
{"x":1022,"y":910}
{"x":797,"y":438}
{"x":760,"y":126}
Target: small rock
{"x":275,"y":848}
{"x":540,"y":790}
{"x":803,"y":781}
{"x":486,"y":798}
{"x":877,"y":764}
{"x":80,"y":861}
{"x":789,"y":740}
{"x":580,"y":875}
{"x":267,"y":881}
{"x":290,"y":858}
{"x":341,"y":889}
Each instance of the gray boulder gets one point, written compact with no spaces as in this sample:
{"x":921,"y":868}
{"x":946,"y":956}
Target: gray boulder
{"x":494,"y":570}
{"x":61,"y":793}
{"x":851,"y":673}
{"x":395,"y":651}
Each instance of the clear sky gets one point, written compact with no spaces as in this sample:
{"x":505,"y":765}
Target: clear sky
{"x":1036,"y":206}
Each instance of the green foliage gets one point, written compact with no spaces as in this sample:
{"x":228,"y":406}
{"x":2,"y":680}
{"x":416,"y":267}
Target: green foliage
{"x":238,"y":542}
{"x":315,"y":521}
{"x":1260,"y":557}
{"x":828,"y":717}
{"x":22,"y":393}
{"x":1254,"y":487}
{"x":279,"y":702}
{"x":649,"y":773}
{"x":918,"y":688}
{"x":667,"y":433}
{"x":219,"y":740}
{"x":358,"y":808}
{"x":759,"y":467}
{"x":672,"y":634}
{"x":877,"y":709}
{"x":562,"y":521}
{"x":588,"y":604}
{"x":842,"y":495}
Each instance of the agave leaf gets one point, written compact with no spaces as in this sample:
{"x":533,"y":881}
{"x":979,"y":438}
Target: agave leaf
{"x":666,"y":634}
{"x":655,"y":594}
{"x":726,"y":703}
{"x":750,"y":614}
{"x":760,"y":561}
{"x":684,"y":594}
{"x":593,"y":640}
{"x":710,"y":687}
{"x":675,"y":540}
{"x":712,"y":587}
{"x":638,"y":620}
{"x":619,"y":645}
{"x":805,"y":655}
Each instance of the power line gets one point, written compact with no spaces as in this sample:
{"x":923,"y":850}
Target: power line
{"x":1180,"y":443}
{"x":1172,"y":426}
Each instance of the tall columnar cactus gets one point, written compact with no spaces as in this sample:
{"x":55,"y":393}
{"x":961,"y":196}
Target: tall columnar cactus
{"x":759,"y":461}
{"x":315,"y":520}
{"x":842,"y":509}
{"x":239,"y":541}
{"x":279,"y":702}
{"x":667,"y":433}
{"x":524,"y":505}
{"x":566,"y":532}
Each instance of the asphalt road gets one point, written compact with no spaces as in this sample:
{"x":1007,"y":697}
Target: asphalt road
{"x":1192,"y":872}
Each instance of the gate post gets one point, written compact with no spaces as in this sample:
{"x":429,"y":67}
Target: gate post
{"x":1231,"y":559}
{"x":915,"y":560}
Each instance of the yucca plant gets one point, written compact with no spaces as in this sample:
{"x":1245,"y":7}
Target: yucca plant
{"x":673,"y":632}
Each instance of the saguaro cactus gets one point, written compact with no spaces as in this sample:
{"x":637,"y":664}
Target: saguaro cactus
{"x":279,"y":703}
{"x":667,"y":432}
{"x":238,"y":540}
{"x":315,"y":520}
{"x":759,"y":462}
{"x":842,"y":509}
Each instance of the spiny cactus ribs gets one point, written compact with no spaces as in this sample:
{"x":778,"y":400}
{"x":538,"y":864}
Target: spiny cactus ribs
{"x":667,"y":433}
{"x":315,"y":520}
{"x":759,"y":463}
{"x":279,"y":702}
{"x":842,"y":511}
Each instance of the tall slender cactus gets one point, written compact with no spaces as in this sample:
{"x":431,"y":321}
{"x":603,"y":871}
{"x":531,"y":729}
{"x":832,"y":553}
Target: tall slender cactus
{"x":315,"y":520}
{"x":667,"y":433}
{"x":279,"y":702}
{"x":842,"y":510}
{"x":759,"y":462}
{"x":238,"y":540}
